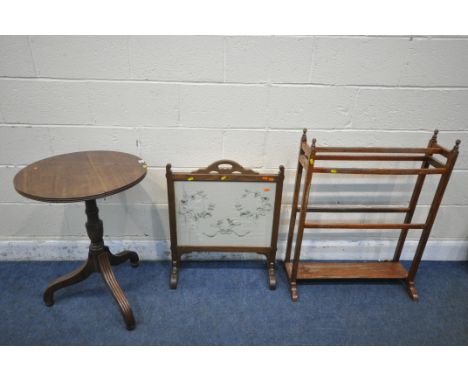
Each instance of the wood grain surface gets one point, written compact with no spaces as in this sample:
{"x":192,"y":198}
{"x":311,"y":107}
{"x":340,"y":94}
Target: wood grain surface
{"x":79,"y":176}
{"x":360,"y":270}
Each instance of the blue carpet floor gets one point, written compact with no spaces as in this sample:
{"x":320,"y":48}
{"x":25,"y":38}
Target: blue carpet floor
{"x":228,"y":303}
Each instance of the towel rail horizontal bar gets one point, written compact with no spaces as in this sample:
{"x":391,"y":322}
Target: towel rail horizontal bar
{"x":309,"y":224}
{"x":388,"y":150}
{"x":370,"y":158}
{"x":379,"y":171}
{"x":357,"y":209}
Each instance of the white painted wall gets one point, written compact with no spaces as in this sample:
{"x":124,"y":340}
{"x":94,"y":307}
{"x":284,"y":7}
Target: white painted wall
{"x":190,"y":100}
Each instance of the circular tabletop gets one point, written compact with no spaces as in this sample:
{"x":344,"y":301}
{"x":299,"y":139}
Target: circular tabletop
{"x":83,"y":175}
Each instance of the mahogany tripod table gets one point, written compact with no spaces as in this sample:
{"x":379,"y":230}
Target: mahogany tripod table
{"x":86,"y":176}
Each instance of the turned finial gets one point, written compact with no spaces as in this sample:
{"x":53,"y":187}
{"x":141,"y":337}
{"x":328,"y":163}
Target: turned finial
{"x":314,"y":140}
{"x":434,"y":136}
{"x":457,"y":144}
{"x":304,"y":135}
{"x":281,"y":168}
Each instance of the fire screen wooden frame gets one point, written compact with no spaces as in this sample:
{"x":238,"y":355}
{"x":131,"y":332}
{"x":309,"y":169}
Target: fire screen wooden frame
{"x":309,"y":156}
{"x":225,"y":172}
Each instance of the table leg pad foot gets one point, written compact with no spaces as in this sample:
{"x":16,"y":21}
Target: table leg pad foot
{"x":413,"y":293}
{"x":48,"y":299}
{"x":123,"y":256}
{"x":174,"y":277}
{"x":293,"y":290}
{"x":271,"y":277}
{"x":131,"y":326}
{"x":71,"y":278}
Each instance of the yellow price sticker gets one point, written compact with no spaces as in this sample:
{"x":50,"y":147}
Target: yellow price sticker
{"x":223,"y":177}
{"x":333,"y":171}
{"x":311,"y":161}
{"x":191,"y":178}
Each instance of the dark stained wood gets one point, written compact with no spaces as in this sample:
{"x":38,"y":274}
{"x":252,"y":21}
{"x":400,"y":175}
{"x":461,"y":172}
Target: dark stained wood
{"x":108,"y":276}
{"x":302,"y":216}
{"x":355,"y":270}
{"x":100,"y":259}
{"x":79,"y":176}
{"x":225,"y":166}
{"x":80,"y":274}
{"x":123,"y":256}
{"x":175,"y":252}
{"x":297,"y":187}
{"x":182,"y":176}
{"x":85,"y":176}
{"x":182,"y":249}
{"x":225,"y":171}
{"x":271,"y":256}
{"x":308,"y":157}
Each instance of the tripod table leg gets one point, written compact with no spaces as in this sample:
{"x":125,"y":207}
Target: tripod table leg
{"x":114,"y":287}
{"x":71,"y":278}
{"x":123,"y":256}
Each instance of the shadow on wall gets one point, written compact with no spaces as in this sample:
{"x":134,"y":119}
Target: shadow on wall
{"x":127,"y":225}
{"x":144,"y":221}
